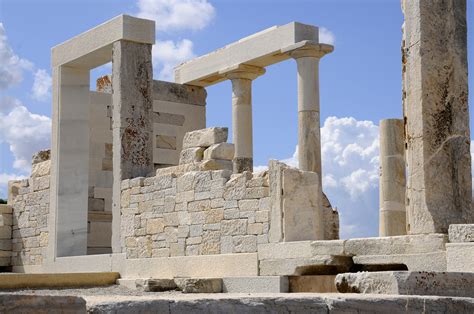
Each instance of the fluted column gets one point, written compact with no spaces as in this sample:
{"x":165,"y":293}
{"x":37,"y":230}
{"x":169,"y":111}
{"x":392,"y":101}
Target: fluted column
{"x":241,"y":78}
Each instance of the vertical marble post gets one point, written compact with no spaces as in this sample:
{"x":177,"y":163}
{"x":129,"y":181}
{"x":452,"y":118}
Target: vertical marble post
{"x":70,"y":161}
{"x":132,"y":126}
{"x":437,"y":115}
{"x":309,"y":134}
{"x":241,"y":78}
{"x":392,"y":219}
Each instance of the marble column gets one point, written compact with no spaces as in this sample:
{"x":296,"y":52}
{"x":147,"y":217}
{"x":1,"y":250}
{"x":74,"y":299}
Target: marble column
{"x":309,"y":134}
{"x":242,"y":77}
{"x":436,"y":111}
{"x":392,"y":219}
{"x":132,"y":130}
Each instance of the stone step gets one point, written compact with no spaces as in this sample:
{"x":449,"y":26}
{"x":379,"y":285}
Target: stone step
{"x":407,"y":283}
{"x":316,"y":265}
{"x":57,"y":280}
{"x":461,"y":233}
{"x":255,"y":284}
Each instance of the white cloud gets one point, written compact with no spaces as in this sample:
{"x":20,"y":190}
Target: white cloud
{"x":177,"y":14}
{"x":326,"y":36}
{"x":167,"y":54}
{"x":24,"y":132}
{"x":349,"y":150}
{"x":41,"y":89}
{"x":11,"y":66}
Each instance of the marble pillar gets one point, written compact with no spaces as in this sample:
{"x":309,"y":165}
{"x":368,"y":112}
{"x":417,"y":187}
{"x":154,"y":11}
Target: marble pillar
{"x":392,"y":219}
{"x":309,"y":135}
{"x":242,"y":78}
{"x":132,"y":129}
{"x":435,"y":105}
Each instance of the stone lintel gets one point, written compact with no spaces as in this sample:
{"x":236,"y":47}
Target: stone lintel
{"x":94,"y":47}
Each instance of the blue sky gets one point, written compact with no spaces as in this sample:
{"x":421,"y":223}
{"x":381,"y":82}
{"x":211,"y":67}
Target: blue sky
{"x":360,"y":81}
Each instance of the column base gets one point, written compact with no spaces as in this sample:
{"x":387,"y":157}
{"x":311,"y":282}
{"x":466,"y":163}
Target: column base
{"x":241,"y":164}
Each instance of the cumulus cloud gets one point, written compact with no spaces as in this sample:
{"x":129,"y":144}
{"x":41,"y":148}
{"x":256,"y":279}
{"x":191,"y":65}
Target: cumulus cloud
{"x":172,"y":15}
{"x":167,"y":54}
{"x":41,"y":89}
{"x":349,"y":152}
{"x":326,"y":36}
{"x":11,"y":66}
{"x":24,"y":132}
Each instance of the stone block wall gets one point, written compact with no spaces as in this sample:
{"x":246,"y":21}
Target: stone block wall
{"x":202,"y":212}
{"x":29,"y":199}
{"x":5,"y":235}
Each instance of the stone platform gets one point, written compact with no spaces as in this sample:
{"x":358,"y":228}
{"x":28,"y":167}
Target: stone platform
{"x":58,"y":280}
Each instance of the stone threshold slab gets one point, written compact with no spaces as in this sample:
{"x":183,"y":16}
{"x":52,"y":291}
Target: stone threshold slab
{"x":408,"y":283}
{"x":57,"y":280}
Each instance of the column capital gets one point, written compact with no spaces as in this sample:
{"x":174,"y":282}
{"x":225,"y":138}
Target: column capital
{"x":308,"y":49}
{"x":243,"y":71}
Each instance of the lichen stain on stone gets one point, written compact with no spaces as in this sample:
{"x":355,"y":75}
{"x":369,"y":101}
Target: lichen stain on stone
{"x":443,"y":119}
{"x":143,"y":79}
{"x":135,"y":142}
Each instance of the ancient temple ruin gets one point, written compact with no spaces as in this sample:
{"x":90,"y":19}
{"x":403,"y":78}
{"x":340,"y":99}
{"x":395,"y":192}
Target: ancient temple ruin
{"x":136,"y":184}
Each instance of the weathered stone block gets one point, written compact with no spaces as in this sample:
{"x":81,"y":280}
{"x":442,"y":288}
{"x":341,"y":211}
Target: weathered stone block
{"x":199,"y":285}
{"x":435,"y":261}
{"x":407,"y":283}
{"x":5,"y":232}
{"x":234,"y":227}
{"x":258,"y":284}
{"x":155,"y":285}
{"x":245,"y":244}
{"x":215,"y":164}
{"x":460,"y":257}
{"x":316,"y":265}
{"x":154,"y":226}
{"x":461,"y":233}
{"x":205,"y":137}
{"x":190,"y":155}
{"x":223,"y":151}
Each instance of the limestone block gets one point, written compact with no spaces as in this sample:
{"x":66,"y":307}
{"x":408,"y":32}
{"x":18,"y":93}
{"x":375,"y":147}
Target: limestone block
{"x":6,"y":245}
{"x":205,"y":137}
{"x":407,"y":283}
{"x":5,"y":209}
{"x":435,"y":261}
{"x":41,"y":169}
{"x":460,"y":257}
{"x":410,"y":244}
{"x":6,"y":220}
{"x":5,"y":232}
{"x":215,"y":164}
{"x":41,"y":156}
{"x":155,"y":285}
{"x":234,"y":227}
{"x":302,"y":205}
{"x":245,"y":244}
{"x":258,"y":284}
{"x":316,"y":265}
{"x":284,"y":250}
{"x":199,"y":285}
{"x":154,"y":226}
{"x":223,"y":151}
{"x":189,"y":155}
{"x":461,"y":233}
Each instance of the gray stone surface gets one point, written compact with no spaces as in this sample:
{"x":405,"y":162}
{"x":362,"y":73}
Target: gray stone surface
{"x":241,"y":164}
{"x":435,"y":105}
{"x":41,"y":304}
{"x":280,"y":303}
{"x":205,"y":137}
{"x":199,"y":285}
{"x":257,"y":284}
{"x":407,"y":283}
{"x":461,"y":233}
{"x":330,"y":220}
{"x":435,"y":261}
